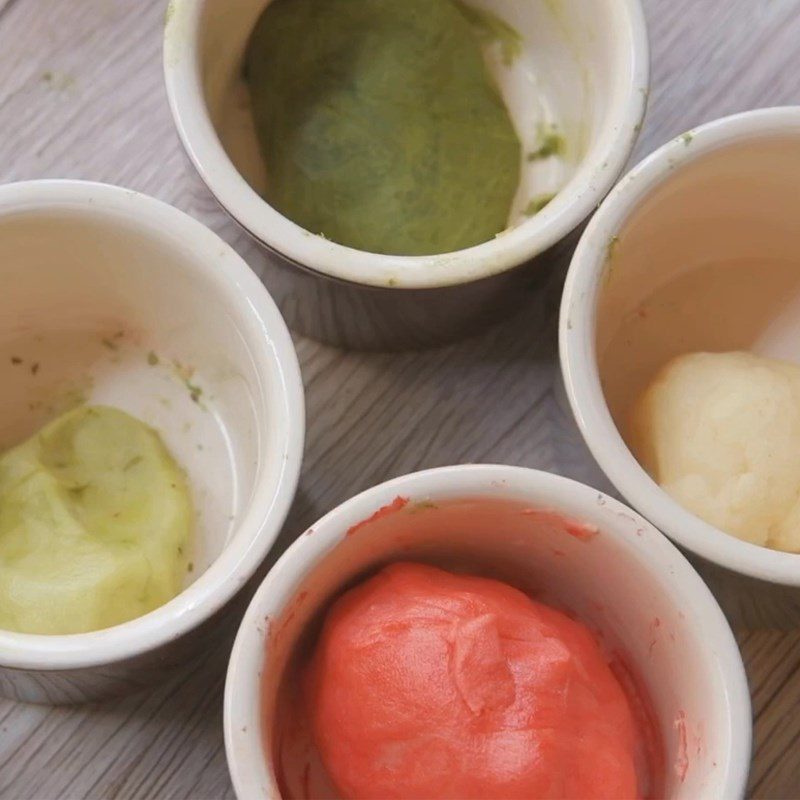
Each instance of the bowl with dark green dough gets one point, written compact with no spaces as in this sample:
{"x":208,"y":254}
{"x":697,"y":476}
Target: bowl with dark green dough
{"x":406,"y":168}
{"x":151,"y":433}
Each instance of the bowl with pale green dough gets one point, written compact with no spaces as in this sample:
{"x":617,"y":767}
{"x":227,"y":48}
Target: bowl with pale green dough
{"x":151,"y":434}
{"x":408,"y":171}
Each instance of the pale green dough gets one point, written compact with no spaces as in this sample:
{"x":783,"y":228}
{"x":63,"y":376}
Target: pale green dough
{"x":95,"y":524}
{"x":380,"y":125}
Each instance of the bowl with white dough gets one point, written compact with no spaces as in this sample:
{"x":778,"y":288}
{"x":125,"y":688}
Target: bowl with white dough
{"x":679,"y":329}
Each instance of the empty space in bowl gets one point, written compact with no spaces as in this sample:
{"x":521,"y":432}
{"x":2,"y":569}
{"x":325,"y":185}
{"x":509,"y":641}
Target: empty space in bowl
{"x":570,"y":66}
{"x":96,"y":310}
{"x":709,"y":261}
{"x":571,"y":564}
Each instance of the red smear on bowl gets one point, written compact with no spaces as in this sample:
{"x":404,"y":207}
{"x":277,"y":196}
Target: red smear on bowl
{"x":652,"y":752}
{"x":396,"y":505}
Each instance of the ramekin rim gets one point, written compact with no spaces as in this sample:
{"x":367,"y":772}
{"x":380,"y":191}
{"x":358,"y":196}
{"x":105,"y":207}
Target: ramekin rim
{"x":271,"y":499}
{"x":331,"y":528}
{"x":578,"y":357}
{"x":320,"y":256}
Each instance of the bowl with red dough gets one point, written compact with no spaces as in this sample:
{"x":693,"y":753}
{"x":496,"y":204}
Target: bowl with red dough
{"x":490,"y":632}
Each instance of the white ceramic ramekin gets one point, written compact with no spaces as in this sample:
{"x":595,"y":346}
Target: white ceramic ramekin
{"x":122,"y":299}
{"x":584,"y":66}
{"x":723,"y":193}
{"x":610,"y":567}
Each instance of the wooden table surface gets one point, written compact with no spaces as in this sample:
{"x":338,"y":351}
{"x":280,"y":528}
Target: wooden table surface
{"x":81,"y":96}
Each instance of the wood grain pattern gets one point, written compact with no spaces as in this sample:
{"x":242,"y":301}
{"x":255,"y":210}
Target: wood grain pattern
{"x":81,"y":96}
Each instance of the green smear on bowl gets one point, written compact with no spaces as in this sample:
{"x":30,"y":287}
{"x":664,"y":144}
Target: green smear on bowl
{"x":550,"y":143}
{"x":491,"y":29}
{"x":536,"y":204}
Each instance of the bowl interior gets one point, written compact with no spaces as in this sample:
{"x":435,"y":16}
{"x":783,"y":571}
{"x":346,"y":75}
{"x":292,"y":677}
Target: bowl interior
{"x":706,"y":262}
{"x":591,"y":557}
{"x":572,"y":63}
{"x":97,"y":309}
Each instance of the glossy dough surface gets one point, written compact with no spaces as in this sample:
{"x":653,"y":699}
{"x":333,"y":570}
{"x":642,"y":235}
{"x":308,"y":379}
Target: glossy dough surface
{"x":95,"y":520}
{"x":427,"y":684}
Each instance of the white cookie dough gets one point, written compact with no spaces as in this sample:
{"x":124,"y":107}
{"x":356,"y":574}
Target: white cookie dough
{"x":720,"y":432}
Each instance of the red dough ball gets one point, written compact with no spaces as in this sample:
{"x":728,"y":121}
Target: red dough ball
{"x":426,"y":684}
